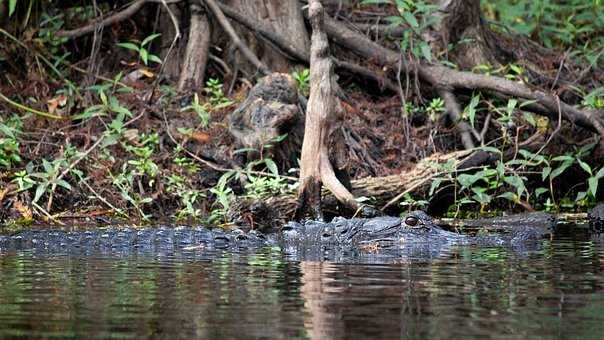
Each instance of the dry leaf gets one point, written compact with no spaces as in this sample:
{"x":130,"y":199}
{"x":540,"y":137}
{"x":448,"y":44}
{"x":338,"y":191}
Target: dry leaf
{"x":201,"y":137}
{"x":23,"y":210}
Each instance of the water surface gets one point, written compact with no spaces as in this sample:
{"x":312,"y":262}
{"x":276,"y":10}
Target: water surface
{"x":554,"y":290}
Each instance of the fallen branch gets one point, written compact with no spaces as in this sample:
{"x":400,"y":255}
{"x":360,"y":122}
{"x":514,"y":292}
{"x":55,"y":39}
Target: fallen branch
{"x":443,"y":77}
{"x":110,"y":20}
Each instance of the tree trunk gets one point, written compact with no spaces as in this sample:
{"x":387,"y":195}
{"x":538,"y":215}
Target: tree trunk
{"x":193,"y":66}
{"x":166,"y":26}
{"x":284,"y":16}
{"x":321,"y":115}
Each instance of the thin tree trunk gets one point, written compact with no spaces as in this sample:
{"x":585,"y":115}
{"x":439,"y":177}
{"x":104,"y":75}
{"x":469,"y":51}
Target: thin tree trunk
{"x":196,"y":54}
{"x":321,"y":115}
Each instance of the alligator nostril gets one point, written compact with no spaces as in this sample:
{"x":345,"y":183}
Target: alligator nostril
{"x":326,"y":235}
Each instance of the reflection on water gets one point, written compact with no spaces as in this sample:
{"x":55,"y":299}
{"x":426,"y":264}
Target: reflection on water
{"x":553,"y":292}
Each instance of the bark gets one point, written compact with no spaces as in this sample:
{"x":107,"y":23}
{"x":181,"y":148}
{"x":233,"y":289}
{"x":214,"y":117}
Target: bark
{"x":172,"y":65}
{"x":197,"y":51}
{"x":321,"y":115}
{"x":284,"y":16}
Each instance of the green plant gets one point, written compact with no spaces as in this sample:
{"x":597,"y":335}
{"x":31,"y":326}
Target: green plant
{"x":595,"y":99}
{"x":49,"y":177}
{"x":12,"y":4}
{"x":223,"y":196}
{"x":9,"y":145}
{"x":143,"y":150}
{"x":142,"y":50}
{"x":23,"y":179}
{"x":108,"y":104}
{"x":303,"y":81}
{"x":200,"y":109}
{"x":418,"y":15}
{"x":435,"y":108}
{"x":189,"y":198}
{"x":217,"y":98}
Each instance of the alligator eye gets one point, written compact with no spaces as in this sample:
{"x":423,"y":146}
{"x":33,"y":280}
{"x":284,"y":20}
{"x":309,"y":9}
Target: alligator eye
{"x":411,"y":221}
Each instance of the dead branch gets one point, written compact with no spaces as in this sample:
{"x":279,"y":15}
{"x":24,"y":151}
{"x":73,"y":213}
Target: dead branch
{"x":100,"y":22}
{"x":226,"y":25}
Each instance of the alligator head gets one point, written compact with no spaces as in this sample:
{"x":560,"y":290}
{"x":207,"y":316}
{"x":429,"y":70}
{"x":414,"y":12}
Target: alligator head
{"x":383,"y":232}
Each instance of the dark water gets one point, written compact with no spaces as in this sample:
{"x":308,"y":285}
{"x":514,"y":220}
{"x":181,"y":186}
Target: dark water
{"x":552,"y":291}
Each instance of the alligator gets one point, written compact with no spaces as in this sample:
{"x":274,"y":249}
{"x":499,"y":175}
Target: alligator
{"x":414,"y":235}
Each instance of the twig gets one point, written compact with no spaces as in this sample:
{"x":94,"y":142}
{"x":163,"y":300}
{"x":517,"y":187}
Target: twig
{"x":119,"y":211}
{"x":485,"y":128}
{"x":226,"y":25}
{"x":29,"y":109}
{"x":112,"y":19}
{"x":45,"y":213}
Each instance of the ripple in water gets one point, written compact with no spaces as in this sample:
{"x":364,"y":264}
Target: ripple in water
{"x":552,"y":291}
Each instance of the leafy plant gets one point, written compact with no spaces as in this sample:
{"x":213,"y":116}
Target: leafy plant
{"x":142,"y":50}
{"x":303,"y":81}
{"x":200,"y":109}
{"x":9,"y":145}
{"x":416,"y":15}
{"x":217,"y":98}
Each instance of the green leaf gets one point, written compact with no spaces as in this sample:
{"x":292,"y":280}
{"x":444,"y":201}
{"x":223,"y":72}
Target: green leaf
{"x":563,"y":158}
{"x":272,"y":167}
{"x":509,"y":196}
{"x":593,"y":185}
{"x":530,"y":118}
{"x":545,"y":172}
{"x":585,"y":166}
{"x":600,"y":173}
{"x":540,"y":191}
{"x":144,"y":55}
{"x":435,"y":184}
{"x":12,"y":4}
{"x":64,"y":184}
{"x":129,"y":46}
{"x":410,"y":19}
{"x":559,"y":170}
{"x":470,"y":110}
{"x":426,"y":51}
{"x":40,"y":191}
{"x":155,"y":59}
{"x":150,"y":38}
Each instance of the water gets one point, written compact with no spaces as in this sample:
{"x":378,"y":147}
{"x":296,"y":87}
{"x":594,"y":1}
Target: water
{"x":550,"y":292}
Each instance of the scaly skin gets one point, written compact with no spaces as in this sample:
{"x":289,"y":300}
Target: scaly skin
{"x":416,"y":233}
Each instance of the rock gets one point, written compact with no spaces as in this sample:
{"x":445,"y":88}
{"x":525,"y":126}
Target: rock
{"x":596,"y":219}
